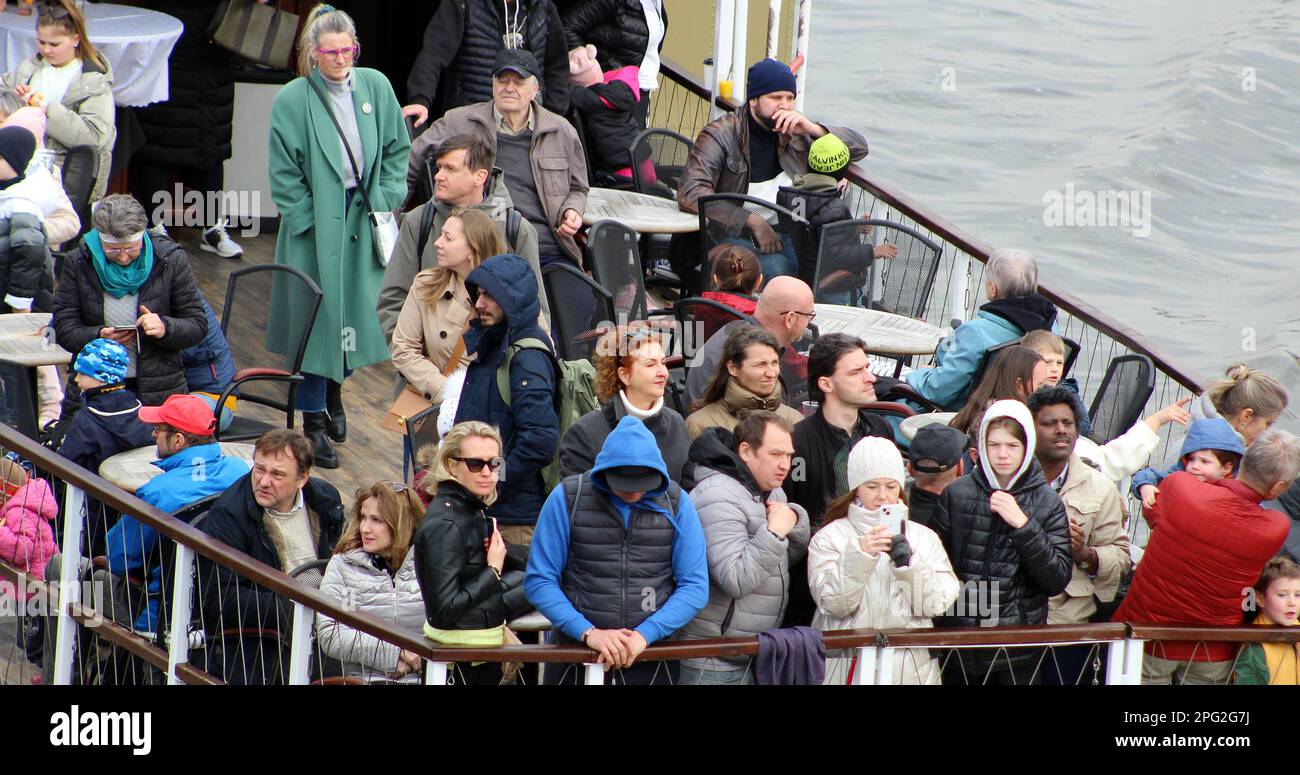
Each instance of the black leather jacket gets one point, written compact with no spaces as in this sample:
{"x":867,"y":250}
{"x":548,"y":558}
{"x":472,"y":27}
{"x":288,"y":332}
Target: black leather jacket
{"x":460,"y":591}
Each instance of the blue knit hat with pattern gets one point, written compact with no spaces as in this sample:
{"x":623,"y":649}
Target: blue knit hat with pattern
{"x":104,"y":360}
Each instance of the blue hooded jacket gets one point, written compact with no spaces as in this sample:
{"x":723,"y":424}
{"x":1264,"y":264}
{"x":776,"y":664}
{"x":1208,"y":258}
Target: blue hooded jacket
{"x":529,"y":425}
{"x":630,"y":444}
{"x":108,"y":423}
{"x":1210,"y":433}
{"x":208,"y":365}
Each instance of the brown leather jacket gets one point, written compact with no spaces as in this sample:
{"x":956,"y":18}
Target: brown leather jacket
{"x":719,"y":163}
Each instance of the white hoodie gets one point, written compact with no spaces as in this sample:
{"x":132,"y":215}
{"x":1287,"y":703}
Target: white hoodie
{"x":856,"y":591}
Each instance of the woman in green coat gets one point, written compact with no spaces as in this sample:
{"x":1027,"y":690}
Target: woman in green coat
{"x":324,"y":228}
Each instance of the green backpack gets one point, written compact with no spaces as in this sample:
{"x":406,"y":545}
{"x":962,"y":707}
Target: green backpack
{"x":575,"y":395}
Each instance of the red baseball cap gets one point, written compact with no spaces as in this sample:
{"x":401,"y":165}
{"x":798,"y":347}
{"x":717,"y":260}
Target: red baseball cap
{"x":183,"y":412}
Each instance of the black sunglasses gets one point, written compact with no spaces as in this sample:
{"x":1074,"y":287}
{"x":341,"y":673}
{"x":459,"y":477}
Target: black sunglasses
{"x":396,"y":487}
{"x":51,"y":10}
{"x":475,"y":464}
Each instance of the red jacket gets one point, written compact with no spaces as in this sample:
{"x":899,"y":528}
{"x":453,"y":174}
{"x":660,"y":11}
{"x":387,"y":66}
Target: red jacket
{"x":1209,"y":542}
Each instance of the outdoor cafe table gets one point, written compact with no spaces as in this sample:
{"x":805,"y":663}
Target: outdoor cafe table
{"x":129,"y":470}
{"x":916,"y":422}
{"x":137,"y":43}
{"x":26,"y":340}
{"x":640,"y":212}
{"x":884,"y":332}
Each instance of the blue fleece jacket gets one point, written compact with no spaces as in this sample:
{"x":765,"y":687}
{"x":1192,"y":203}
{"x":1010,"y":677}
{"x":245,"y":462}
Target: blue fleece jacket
{"x":1210,"y":433}
{"x":630,"y":444}
{"x":188,"y":476}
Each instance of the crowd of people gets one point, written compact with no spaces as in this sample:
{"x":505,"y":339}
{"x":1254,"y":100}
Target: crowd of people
{"x":769,"y":494}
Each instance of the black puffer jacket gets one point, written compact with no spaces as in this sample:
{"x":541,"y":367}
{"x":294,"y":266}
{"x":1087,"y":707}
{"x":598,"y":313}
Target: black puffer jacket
{"x":169,"y":291}
{"x":193,"y":127}
{"x":454,"y":67}
{"x":608,"y":119}
{"x":617,"y":28}
{"x":460,"y":591}
{"x":1023,"y":567}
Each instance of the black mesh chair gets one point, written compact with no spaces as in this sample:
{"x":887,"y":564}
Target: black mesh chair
{"x":80,"y":168}
{"x":18,"y":398}
{"x":729,"y":218}
{"x":667,"y":152}
{"x":421,"y":431}
{"x":581,"y":309}
{"x":1071,"y":354}
{"x":698,"y":320}
{"x":615,"y":260}
{"x":846,"y":273}
{"x":267,"y":368}
{"x":1129,"y":382}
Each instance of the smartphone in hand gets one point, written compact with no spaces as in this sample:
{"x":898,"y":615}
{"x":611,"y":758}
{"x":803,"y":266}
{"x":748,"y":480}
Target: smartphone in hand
{"x":895,"y":516}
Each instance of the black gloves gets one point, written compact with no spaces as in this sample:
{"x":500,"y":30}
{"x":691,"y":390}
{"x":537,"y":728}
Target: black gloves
{"x":900,"y":551}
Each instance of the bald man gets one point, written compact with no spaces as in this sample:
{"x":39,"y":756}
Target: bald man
{"x":784,"y":310}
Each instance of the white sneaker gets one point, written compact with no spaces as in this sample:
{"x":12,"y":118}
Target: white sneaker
{"x":160,"y":231}
{"x":216,"y":240}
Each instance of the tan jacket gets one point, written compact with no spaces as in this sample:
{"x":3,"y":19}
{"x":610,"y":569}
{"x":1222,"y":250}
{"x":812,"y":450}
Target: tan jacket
{"x":735,"y":402}
{"x":426,"y":333}
{"x":1094,"y":502}
{"x":86,"y":116}
{"x":559,"y":164}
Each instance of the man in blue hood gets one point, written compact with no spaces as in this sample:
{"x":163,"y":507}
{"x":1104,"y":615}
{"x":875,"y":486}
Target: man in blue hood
{"x":618,"y":561}
{"x":504,"y":290}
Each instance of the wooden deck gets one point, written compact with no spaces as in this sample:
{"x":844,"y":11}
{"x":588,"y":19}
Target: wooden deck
{"x":371,"y":453}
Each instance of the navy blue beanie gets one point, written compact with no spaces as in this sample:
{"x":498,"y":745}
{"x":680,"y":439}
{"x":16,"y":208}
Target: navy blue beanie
{"x":768,"y":75}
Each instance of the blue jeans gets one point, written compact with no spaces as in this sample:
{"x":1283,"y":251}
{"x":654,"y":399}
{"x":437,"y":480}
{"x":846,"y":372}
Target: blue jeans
{"x":690,"y":676}
{"x":311,"y":393}
{"x":773,"y":264}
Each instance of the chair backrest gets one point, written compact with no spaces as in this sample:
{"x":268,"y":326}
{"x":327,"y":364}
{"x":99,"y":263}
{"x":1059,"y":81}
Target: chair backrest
{"x":726,"y":218}
{"x":80,"y":168}
{"x":421,"y":432}
{"x":616,"y":264}
{"x":581,"y":309}
{"x":18,"y":399}
{"x":901,"y":284}
{"x":698,"y":320}
{"x":666,"y":151}
{"x":245,"y":320}
{"x":310,"y":574}
{"x":1129,"y":381}
{"x":423,"y":191}
{"x":1071,"y":355}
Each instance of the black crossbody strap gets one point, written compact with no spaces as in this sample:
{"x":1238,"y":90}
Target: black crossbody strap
{"x":356,"y":172}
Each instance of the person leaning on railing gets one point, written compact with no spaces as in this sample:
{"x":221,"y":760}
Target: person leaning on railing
{"x":373,"y":571}
{"x":1209,"y":541}
{"x":468,"y":593}
{"x":281,"y":516}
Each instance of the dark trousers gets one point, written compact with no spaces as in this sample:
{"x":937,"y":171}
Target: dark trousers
{"x":640,"y":674}
{"x":994,"y":667}
{"x":148,"y":180}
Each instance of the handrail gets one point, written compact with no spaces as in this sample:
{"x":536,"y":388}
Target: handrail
{"x":973,"y":246}
{"x":998,"y":636}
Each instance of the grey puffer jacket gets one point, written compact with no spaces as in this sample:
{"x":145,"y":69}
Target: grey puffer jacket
{"x":352,"y":578}
{"x":85,"y":116}
{"x":749,"y":567}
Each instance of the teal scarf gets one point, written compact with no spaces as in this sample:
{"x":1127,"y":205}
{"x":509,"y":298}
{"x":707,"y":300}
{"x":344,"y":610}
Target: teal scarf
{"x":120,"y":281}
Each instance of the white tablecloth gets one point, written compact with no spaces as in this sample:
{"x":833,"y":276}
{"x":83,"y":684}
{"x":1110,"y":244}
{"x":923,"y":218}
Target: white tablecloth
{"x":136,"y":42}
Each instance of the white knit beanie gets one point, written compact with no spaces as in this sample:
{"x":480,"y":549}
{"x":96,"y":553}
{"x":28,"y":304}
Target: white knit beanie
{"x":874,"y":458}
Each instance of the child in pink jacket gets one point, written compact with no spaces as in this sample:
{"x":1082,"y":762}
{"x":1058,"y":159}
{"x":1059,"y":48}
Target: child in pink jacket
{"x":26,"y":517}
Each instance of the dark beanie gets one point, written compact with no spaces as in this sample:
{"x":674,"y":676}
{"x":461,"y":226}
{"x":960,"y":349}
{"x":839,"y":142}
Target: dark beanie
{"x":768,"y":75}
{"x":17,"y":144}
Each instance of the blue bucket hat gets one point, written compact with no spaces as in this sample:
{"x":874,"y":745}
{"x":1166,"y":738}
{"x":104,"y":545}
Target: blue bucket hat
{"x":104,"y":360}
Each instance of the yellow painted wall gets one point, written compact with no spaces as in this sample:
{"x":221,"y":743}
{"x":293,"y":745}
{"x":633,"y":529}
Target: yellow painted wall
{"x":690,"y":32}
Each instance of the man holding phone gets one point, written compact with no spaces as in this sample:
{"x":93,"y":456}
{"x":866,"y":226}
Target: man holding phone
{"x":753,"y":537}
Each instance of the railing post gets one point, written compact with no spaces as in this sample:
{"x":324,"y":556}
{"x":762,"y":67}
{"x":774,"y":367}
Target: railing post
{"x":1127,"y":669}
{"x":300,"y":645}
{"x":435,"y":673}
{"x":773,"y":28}
{"x":722,"y":44}
{"x":74,"y":502}
{"x":593,"y":674}
{"x":803,"y":19}
{"x":864,"y":673}
{"x":178,"y":650}
{"x":885,"y":666}
{"x":958,"y":287}
{"x":739,"y":51}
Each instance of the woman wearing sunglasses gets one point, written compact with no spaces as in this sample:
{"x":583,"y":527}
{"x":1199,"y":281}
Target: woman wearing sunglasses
{"x":460,"y":557}
{"x":373,"y":571}
{"x":336,"y":124}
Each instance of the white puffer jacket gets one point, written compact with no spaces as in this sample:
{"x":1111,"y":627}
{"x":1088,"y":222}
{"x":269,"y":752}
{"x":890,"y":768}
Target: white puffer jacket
{"x":354,"y":580}
{"x":856,"y":591}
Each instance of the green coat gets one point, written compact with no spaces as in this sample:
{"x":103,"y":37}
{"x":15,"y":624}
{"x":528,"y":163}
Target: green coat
{"x":306,"y":170}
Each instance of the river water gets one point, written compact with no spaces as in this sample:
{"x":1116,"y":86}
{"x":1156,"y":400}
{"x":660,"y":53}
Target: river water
{"x":982,"y":109}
